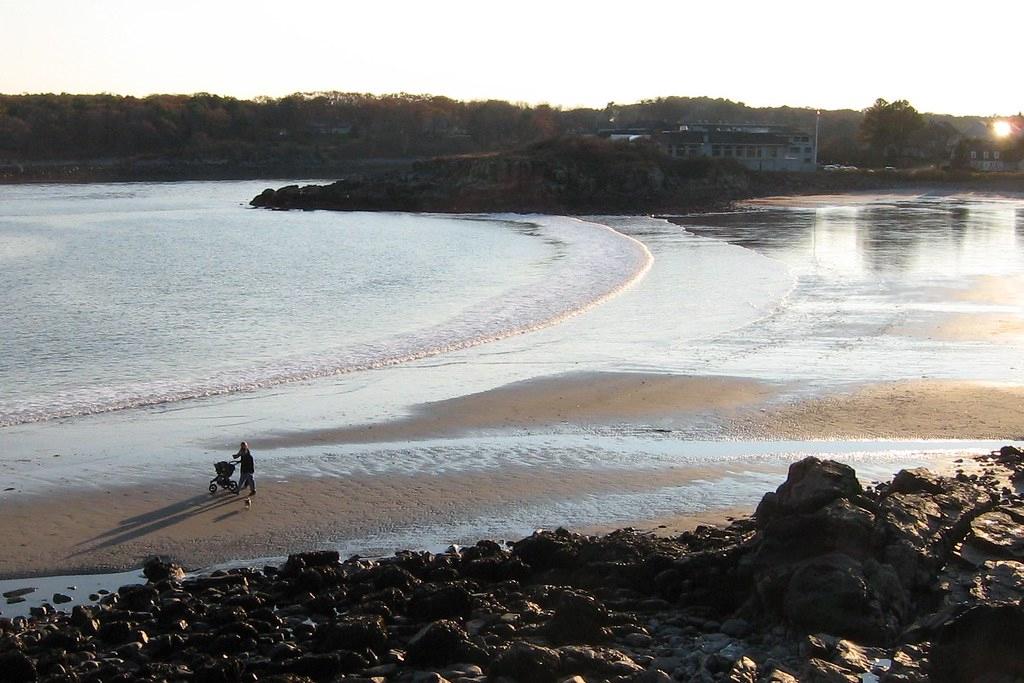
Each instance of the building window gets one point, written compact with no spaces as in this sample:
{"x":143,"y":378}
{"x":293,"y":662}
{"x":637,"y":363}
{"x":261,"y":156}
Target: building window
{"x":716,"y":151}
{"x":974,"y":155}
{"x":773,"y":152}
{"x":728,"y":151}
{"x":985,"y":154}
{"x":794,"y":150}
{"x":807,"y":150}
{"x":995,"y":155}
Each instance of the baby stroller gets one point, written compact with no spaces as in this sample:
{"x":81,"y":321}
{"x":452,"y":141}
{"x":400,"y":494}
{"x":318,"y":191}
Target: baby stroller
{"x":223,"y":479}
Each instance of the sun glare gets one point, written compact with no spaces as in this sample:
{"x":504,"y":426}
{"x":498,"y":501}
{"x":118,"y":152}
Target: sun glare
{"x":1001,"y":128}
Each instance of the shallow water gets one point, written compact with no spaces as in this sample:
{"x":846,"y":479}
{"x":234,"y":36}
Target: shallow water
{"x":120,"y":296}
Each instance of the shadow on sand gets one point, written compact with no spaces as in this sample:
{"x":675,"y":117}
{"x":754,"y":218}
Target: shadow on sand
{"x":140,"y":525}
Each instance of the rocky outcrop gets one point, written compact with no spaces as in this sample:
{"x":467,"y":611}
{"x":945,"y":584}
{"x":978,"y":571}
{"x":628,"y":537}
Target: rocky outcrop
{"x":919,"y":579}
{"x":564,"y":176}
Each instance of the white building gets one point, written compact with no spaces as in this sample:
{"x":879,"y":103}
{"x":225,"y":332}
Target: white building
{"x":759,"y":147}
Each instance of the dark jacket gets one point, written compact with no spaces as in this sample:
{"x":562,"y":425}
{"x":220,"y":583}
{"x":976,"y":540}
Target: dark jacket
{"x":247,"y":464}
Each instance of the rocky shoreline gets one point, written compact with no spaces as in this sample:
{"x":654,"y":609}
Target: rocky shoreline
{"x":583,"y":176}
{"x":917,"y":579}
{"x":562,"y":176}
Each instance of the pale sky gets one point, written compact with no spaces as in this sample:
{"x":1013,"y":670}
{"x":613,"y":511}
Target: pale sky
{"x":946,"y":57}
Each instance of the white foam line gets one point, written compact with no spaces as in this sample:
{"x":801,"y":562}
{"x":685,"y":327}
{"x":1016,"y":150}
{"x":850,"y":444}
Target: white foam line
{"x":638,"y":261}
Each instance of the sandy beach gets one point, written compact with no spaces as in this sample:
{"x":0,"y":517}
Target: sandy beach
{"x":578,"y":399}
{"x":320,"y":485}
{"x":119,"y":528}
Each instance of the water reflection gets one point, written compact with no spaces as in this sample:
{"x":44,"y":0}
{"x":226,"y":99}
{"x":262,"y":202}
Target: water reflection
{"x":944,"y":237}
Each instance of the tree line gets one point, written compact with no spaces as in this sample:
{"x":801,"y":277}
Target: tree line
{"x":324,"y":126}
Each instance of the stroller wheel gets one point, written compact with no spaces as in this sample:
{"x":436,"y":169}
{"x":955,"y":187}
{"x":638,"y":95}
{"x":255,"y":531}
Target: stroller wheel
{"x":233,"y":487}
{"x":213,"y":487}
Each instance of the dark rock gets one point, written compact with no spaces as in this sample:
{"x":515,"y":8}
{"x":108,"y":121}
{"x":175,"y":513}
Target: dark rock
{"x":156,"y":570}
{"x":17,"y":668}
{"x":356,"y":633}
{"x":596,"y":662}
{"x":578,"y":618}
{"x":443,"y":642}
{"x":495,"y":569}
{"x":18,"y":592}
{"x":997,"y":535}
{"x":83,"y":613}
{"x":221,"y":671}
{"x":999,"y":581}
{"x":524,"y":661}
{"x":839,"y":595}
{"x":283,"y":651}
{"x":737,"y":628}
{"x":920,"y":527}
{"x":820,"y":671}
{"x":226,"y":644}
{"x":917,"y":480}
{"x":222,"y":583}
{"x":545,"y":550}
{"x":813,"y":483}
{"x":483,"y":549}
{"x":393,"y":576}
{"x":982,"y":644}
{"x":320,"y":667}
{"x":138,"y":598}
{"x":318,"y":558}
{"x":117,"y":632}
{"x":44,"y":610}
{"x":432,"y":601}
{"x":61,"y":640}
{"x":838,"y":526}
{"x":265,"y":198}
{"x":60,"y":598}
{"x":220,"y":615}
{"x":309,"y":580}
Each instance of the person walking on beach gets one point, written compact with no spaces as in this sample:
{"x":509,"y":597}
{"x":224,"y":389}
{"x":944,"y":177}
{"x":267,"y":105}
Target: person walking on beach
{"x":247,"y":469}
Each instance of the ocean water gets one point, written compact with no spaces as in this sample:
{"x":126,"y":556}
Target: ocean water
{"x":121,"y":296}
{"x":171,"y":304}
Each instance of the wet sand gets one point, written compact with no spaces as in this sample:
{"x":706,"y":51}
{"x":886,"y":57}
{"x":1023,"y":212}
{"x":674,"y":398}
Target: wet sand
{"x":1000,"y":328}
{"x":923,"y":409}
{"x":120,"y":527}
{"x":574,"y":399}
